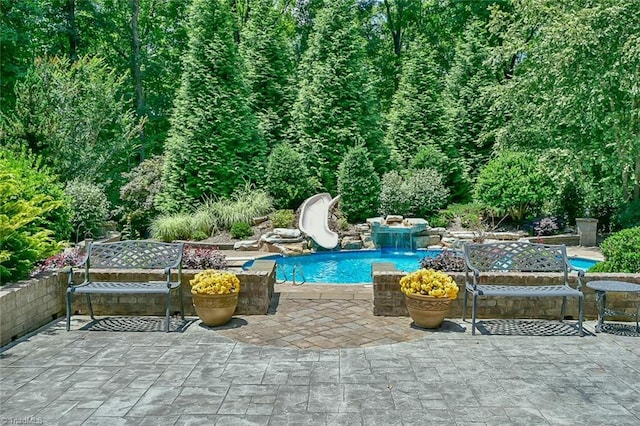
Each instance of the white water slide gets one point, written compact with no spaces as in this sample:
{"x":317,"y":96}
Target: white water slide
{"x":314,"y":220}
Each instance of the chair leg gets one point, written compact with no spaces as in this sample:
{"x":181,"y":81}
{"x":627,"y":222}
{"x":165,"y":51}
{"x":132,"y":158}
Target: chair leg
{"x":464,"y":305}
{"x":563,"y":310}
{"x":580,"y":314}
{"x":69,"y":294}
{"x":181,"y":303}
{"x":90,"y":306}
{"x":474,"y":309}
{"x":168,"y":310}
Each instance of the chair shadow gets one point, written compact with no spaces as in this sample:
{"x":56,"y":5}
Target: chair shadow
{"x":512,"y":327}
{"x":627,"y":330}
{"x":137,"y":324}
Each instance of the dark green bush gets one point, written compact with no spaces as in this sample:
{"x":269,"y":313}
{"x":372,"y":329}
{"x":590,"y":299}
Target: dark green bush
{"x":283,"y":219}
{"x":514,"y":183}
{"x":621,"y":251}
{"x":451,"y":169}
{"x":288,"y":179}
{"x":358,"y":185}
{"x":90,"y":209}
{"x":241,"y":230}
{"x":418,"y":193}
{"x":29,"y":198}
{"x":628,"y":216}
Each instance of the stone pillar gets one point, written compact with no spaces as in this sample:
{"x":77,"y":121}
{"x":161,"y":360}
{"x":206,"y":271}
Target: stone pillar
{"x":587,"y":229}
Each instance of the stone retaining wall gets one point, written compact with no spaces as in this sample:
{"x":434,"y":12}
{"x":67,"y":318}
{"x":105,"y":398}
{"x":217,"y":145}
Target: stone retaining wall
{"x":388,"y":300}
{"x":27,"y":305}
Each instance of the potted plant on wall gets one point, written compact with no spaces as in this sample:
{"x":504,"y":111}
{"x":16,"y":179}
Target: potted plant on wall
{"x":215,"y":296}
{"x":428,"y":295}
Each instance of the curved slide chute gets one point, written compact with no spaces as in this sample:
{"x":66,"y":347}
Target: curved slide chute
{"x":314,"y":220}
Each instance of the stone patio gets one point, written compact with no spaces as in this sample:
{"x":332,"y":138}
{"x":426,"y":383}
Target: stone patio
{"x":320,"y":357}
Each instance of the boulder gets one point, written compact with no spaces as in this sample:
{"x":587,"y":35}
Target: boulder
{"x":246,"y":245}
{"x":392,"y":218}
{"x":351,"y":243}
{"x":287,"y":232}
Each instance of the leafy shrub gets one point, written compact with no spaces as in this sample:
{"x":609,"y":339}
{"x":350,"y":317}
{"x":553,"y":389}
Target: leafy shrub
{"x":514,"y":183}
{"x":418,"y":193}
{"x":67,"y":257}
{"x":203,"y":258}
{"x":438,"y":221}
{"x":137,"y":197}
{"x":358,"y":185}
{"x":244,"y":205}
{"x":449,"y":261}
{"x":89,"y":206}
{"x":241,"y":230}
{"x":451,"y":169}
{"x":287,"y":178}
{"x":172,"y":227}
{"x":621,"y":252}
{"x":547,"y":226}
{"x":469,"y":216}
{"x":25,"y":207}
{"x":74,"y":115}
{"x":283,"y":219}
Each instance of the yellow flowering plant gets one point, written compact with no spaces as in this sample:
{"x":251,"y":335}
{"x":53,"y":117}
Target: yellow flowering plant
{"x":429,"y":282}
{"x":212,"y":281}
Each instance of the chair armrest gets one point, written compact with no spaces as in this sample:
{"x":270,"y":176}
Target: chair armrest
{"x":579,"y":277}
{"x":475,"y":275}
{"x":69,"y":271}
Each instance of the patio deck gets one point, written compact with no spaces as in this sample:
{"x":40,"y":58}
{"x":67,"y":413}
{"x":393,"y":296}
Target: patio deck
{"x":279,"y":369}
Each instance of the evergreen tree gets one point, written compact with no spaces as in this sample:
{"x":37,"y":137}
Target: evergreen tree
{"x":287,"y":177}
{"x":335,"y":107}
{"x":469,"y":97}
{"x":213,"y":144}
{"x":415,"y":118}
{"x":358,"y":185}
{"x":269,"y":65}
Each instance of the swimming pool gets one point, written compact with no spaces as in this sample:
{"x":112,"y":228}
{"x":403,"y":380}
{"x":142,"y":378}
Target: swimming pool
{"x":354,"y":266}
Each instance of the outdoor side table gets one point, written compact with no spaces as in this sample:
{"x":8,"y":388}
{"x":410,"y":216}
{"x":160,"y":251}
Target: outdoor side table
{"x":601,"y":288}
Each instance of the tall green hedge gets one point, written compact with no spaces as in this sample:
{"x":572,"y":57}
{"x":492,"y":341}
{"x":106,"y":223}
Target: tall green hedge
{"x":213,"y":145}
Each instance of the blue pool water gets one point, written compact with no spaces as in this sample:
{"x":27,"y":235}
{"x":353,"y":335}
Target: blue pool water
{"x":351,"y":267}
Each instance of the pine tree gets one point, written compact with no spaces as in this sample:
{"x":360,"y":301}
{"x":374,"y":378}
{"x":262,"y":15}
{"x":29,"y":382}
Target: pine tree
{"x":358,"y":185}
{"x":335,"y":108}
{"x":213,"y":144}
{"x":269,"y":65}
{"x":468,"y":96}
{"x":415,"y":118}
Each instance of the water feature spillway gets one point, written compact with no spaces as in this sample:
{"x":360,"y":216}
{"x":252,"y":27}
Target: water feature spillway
{"x":403,"y":234}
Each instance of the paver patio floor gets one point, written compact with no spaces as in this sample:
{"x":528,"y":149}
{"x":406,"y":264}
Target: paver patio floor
{"x":260,"y":370}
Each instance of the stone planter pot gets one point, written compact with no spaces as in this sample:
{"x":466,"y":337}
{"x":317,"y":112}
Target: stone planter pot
{"x":215,"y":309}
{"x":427,"y":311}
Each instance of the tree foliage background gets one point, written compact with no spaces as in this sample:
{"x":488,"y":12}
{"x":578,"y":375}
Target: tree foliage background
{"x":95,"y":87}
